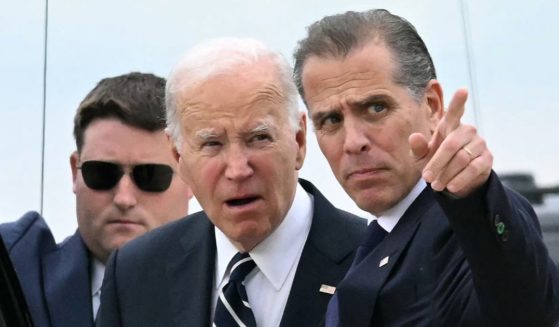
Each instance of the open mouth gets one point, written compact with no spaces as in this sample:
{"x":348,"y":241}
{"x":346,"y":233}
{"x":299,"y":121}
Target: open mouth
{"x":241,"y":201}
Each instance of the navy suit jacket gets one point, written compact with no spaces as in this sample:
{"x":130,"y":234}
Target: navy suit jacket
{"x":55,"y":277}
{"x":165,"y":278}
{"x":478,"y":261}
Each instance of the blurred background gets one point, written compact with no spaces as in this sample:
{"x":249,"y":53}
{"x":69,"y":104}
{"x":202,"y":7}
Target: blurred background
{"x":53,"y":52}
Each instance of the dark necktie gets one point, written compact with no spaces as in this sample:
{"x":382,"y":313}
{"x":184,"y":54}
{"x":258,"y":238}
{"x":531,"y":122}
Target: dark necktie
{"x":375,"y":234}
{"x":232,"y":307}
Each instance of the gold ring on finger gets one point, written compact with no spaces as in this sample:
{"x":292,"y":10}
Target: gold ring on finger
{"x":469,"y":152}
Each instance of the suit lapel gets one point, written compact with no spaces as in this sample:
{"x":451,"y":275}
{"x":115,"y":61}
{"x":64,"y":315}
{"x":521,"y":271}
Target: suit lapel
{"x":67,"y":284}
{"x":190,"y":278}
{"x":324,"y":260}
{"x":359,"y":291}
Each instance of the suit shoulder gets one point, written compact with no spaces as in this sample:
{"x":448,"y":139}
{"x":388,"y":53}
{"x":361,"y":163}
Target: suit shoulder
{"x":31,"y":229}
{"x":165,"y":236}
{"x":353,"y":225}
{"x":352,"y":219}
{"x":335,"y":232}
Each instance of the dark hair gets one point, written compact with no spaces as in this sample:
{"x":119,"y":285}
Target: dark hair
{"x":336,"y":36}
{"x":135,"y":99}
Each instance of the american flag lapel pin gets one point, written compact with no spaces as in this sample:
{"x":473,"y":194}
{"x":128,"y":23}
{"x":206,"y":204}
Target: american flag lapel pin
{"x":327,"y":289}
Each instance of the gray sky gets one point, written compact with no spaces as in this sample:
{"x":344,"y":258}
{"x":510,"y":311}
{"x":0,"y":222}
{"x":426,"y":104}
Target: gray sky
{"x":513,"y":44}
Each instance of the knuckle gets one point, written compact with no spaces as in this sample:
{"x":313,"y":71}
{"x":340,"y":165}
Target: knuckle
{"x":470,"y":129}
{"x":453,"y":144}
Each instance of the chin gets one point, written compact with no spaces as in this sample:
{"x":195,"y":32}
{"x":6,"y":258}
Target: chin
{"x":371,"y":203}
{"x":250,"y":239}
{"x":121,"y":241}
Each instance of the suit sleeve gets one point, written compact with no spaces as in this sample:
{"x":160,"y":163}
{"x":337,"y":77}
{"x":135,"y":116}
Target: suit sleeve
{"x":31,"y":227}
{"x":516,"y":282}
{"x":109,"y":311}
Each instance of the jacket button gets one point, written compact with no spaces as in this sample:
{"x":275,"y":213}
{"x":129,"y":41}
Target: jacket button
{"x":500,"y":228}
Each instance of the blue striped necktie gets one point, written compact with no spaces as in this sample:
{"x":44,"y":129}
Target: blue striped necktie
{"x":232,"y":307}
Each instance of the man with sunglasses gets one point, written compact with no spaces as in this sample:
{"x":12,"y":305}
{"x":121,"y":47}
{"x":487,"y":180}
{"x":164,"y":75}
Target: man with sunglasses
{"x":125,"y":184}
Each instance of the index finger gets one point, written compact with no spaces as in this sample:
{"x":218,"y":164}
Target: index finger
{"x":451,"y":119}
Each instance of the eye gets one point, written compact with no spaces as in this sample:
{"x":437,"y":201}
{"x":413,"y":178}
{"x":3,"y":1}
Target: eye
{"x":376,"y":108}
{"x":210,"y":144}
{"x":329,"y":121}
{"x":263,"y":137}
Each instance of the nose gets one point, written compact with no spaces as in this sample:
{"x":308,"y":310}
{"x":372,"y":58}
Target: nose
{"x":356,"y":140}
{"x":125,"y":193}
{"x":237,"y":165}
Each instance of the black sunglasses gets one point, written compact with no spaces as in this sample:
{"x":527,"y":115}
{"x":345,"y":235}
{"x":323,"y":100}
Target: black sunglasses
{"x":102,"y":175}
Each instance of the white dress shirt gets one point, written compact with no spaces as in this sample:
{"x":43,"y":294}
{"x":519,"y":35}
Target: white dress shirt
{"x":276,"y":258}
{"x":97,"y":273}
{"x":390,"y":217}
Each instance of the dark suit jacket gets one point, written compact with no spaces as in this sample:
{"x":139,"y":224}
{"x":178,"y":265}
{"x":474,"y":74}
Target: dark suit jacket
{"x":549,"y":221}
{"x":165,"y":278}
{"x":55,"y":277}
{"x":478,"y":261}
{"x":13,"y":307}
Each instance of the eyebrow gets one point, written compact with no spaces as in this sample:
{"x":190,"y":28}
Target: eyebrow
{"x":352,"y":104}
{"x":262,"y":127}
{"x":369,"y":99}
{"x":206,"y":134}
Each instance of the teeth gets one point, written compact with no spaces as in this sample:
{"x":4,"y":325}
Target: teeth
{"x":240,"y":202}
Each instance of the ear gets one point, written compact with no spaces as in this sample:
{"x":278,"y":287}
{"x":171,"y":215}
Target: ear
{"x":434,"y":102}
{"x":172,"y":146}
{"x":301,"y":139}
{"x":74,"y":161}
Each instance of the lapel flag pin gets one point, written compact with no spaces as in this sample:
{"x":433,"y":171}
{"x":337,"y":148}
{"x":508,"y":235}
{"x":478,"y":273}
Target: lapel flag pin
{"x":327,"y":289}
{"x":383,"y":262}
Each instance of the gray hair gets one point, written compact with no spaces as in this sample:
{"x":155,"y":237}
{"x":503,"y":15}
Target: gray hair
{"x":220,"y":56}
{"x":336,"y":36}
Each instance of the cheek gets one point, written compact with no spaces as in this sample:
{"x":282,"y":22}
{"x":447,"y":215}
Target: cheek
{"x":90,"y":207}
{"x":89,"y":200}
{"x":329,"y":145}
{"x":394,"y":136}
{"x":195,"y":173}
{"x":332,"y":148}
{"x":184,"y":170}
{"x":203,"y":177}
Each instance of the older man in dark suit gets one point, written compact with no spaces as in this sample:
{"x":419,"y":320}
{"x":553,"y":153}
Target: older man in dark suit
{"x":269,"y":249}
{"x":451,"y":246}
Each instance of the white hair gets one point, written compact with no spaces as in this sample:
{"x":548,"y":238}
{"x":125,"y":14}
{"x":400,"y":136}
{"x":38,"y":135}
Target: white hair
{"x":220,"y":56}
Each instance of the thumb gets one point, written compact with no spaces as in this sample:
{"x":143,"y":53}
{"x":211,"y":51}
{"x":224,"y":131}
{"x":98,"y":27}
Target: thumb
{"x":419,"y":146}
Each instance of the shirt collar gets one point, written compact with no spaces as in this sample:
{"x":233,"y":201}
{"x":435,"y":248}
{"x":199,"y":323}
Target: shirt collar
{"x":276,"y":255}
{"x":97,"y":273}
{"x":390,"y":217}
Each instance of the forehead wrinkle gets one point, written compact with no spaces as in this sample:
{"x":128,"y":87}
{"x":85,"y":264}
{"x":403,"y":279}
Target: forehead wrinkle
{"x":335,"y":84}
{"x":324,"y":101}
{"x":270,"y":92}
